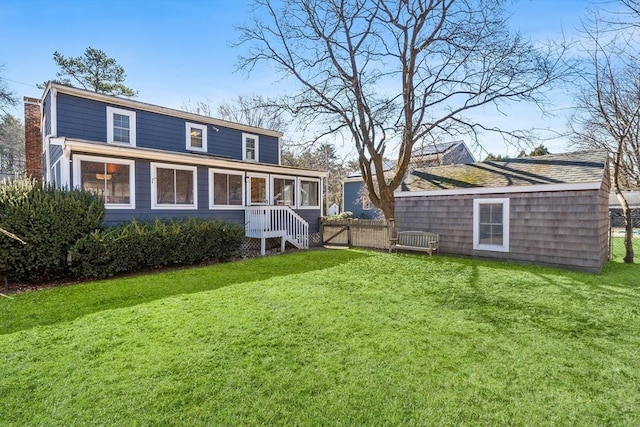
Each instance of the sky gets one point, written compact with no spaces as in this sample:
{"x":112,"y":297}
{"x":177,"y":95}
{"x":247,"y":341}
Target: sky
{"x":177,"y":51}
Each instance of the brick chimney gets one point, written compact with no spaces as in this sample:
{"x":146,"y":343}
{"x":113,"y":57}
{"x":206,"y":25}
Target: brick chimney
{"x":33,"y":138}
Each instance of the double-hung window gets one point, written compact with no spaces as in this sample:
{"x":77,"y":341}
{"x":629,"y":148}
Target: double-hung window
{"x":112,"y":179}
{"x":309,"y":193}
{"x":196,"y":136}
{"x":491,"y":225}
{"x":121,"y":126}
{"x":226,"y":189}
{"x":173,"y":186}
{"x":250,"y":147}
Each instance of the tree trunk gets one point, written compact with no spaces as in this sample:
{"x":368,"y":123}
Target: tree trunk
{"x":387,"y":203}
{"x":628,"y":228}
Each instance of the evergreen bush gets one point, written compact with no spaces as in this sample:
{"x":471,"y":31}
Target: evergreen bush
{"x":50,"y":220}
{"x":152,"y":244}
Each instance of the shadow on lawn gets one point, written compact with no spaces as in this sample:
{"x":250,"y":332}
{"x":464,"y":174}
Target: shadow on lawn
{"x":576,"y":306}
{"x":63,"y":304}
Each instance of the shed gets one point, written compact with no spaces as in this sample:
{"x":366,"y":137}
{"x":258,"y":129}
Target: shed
{"x":548,"y":210}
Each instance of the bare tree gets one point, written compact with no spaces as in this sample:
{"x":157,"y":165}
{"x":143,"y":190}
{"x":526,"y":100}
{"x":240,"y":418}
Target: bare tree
{"x":7,"y":97}
{"x":608,"y":113}
{"x":12,"y":160}
{"x":252,"y":110}
{"x":388,"y":73}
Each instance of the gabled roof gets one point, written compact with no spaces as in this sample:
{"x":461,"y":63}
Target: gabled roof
{"x":421,"y":153}
{"x":567,"y":168}
{"x":430,"y":149}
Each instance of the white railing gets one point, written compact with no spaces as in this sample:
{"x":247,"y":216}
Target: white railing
{"x":263,"y":222}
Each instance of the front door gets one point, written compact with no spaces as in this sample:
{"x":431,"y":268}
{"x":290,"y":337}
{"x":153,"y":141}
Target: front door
{"x":258,"y":191}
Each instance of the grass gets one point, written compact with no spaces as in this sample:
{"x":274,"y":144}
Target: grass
{"x":328,"y":337}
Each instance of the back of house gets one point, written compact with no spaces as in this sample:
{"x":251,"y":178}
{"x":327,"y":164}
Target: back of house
{"x":149,"y":161}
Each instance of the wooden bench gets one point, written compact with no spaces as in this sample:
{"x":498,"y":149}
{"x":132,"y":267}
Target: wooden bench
{"x":414,"y":241}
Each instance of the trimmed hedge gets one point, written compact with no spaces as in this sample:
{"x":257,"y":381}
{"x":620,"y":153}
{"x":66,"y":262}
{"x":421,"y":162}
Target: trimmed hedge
{"x":153,"y":244}
{"x":50,"y":220}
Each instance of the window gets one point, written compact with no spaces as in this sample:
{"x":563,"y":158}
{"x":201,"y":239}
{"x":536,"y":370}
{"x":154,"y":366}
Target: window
{"x":366,"y":202}
{"x":196,"y":136}
{"x":250,"y":147}
{"x":309,"y":195}
{"x":226,"y":189}
{"x":284,"y":190}
{"x":491,"y":225}
{"x":173,"y":187}
{"x":121,"y":126}
{"x":113,"y":179}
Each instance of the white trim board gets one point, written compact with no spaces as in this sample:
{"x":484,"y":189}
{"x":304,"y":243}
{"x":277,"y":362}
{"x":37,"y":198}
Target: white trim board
{"x":502,"y":190}
{"x":190,"y":159}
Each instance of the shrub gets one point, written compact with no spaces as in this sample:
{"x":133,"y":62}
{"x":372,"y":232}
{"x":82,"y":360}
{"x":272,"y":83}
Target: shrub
{"x":341,"y":215}
{"x":153,"y":244}
{"x":50,"y":220}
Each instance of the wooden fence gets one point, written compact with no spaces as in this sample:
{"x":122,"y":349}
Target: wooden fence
{"x":360,"y":233}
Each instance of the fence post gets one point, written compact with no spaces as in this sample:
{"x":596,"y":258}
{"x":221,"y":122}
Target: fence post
{"x":349,"y":233}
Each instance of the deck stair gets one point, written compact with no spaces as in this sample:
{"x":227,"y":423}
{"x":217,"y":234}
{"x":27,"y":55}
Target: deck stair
{"x":263,"y":222}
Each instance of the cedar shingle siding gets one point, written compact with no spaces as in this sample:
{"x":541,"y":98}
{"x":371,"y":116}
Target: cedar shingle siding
{"x":566,"y":229}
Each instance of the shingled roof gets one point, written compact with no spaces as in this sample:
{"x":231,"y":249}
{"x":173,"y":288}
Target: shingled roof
{"x":566,"y":168}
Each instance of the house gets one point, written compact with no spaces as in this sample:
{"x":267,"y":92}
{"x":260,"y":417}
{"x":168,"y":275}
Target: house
{"x":354,"y":194}
{"x":550,"y":210}
{"x":615,"y":210}
{"x":149,"y":161}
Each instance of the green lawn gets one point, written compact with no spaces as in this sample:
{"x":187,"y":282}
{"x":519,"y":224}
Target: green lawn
{"x":328,"y":337}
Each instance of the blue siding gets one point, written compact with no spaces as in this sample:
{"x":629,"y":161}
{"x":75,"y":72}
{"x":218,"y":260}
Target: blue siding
{"x":87,"y":119}
{"x":353,"y":202}
{"x":55,"y":152}
{"x":312,"y":216}
{"x":81,"y":118}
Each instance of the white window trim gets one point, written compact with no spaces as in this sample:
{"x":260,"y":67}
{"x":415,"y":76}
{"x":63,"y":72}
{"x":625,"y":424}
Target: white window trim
{"x":244,"y":147}
{"x":211,"y":187}
{"x":77,"y":158}
{"x":154,"y":190}
{"x":299,"y":201}
{"x":505,"y":225}
{"x":295,"y":190}
{"x":267,"y":181}
{"x":132,"y":125}
{"x":203,"y":128}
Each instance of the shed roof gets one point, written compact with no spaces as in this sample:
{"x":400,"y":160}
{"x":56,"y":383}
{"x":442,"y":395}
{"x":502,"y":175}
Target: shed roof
{"x":566,"y":168}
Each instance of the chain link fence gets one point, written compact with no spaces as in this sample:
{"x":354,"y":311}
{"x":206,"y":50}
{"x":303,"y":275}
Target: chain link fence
{"x":616,"y":232}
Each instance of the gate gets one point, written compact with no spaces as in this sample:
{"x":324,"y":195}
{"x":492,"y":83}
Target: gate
{"x":360,"y":233}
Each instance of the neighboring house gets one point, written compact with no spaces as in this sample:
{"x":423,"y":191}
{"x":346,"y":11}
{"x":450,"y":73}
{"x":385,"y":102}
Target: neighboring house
{"x":333,"y":210}
{"x":550,"y":210}
{"x":354,"y":192}
{"x":155,"y":162}
{"x":615,"y":210}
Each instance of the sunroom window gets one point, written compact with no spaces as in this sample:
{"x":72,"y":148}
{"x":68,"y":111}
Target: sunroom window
{"x":309,"y":194}
{"x":227,"y":188}
{"x":173,"y":186}
{"x":112,"y":179}
{"x":284,"y":190}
